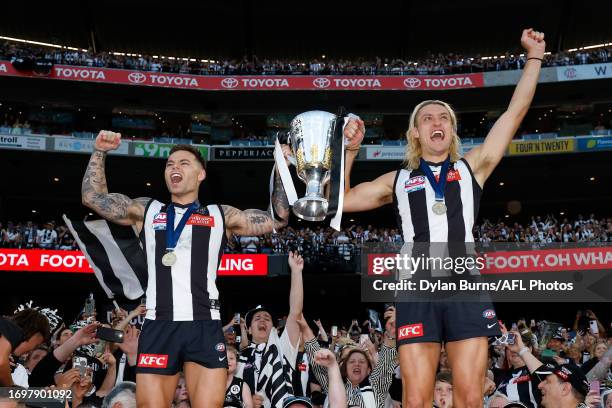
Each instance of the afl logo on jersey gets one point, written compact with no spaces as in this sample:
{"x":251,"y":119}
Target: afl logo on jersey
{"x":220,"y":347}
{"x":235,"y":389}
{"x":159,"y":221}
{"x":414,"y":184}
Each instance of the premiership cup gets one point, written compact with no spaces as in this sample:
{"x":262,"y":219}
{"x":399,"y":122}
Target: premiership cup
{"x":310,"y":138}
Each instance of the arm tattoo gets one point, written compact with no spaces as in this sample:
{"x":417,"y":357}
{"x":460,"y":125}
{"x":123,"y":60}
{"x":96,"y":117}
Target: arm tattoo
{"x":247,"y":222}
{"x":280,"y":202}
{"x":94,"y":192}
{"x":259,"y":222}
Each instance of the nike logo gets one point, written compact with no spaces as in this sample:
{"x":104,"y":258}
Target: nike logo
{"x":491,"y":325}
{"x":222,"y":358}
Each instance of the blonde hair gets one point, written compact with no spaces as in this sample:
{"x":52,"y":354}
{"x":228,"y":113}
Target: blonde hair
{"x":414,"y":152}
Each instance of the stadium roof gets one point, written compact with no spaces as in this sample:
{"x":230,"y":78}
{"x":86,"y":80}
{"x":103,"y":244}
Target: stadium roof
{"x":401,"y":28}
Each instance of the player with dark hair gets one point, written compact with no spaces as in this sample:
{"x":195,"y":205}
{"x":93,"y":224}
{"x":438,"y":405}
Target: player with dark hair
{"x":183,"y":242}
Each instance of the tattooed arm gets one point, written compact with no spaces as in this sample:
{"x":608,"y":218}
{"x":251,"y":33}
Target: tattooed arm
{"x":258,"y":222}
{"x":117,"y":208}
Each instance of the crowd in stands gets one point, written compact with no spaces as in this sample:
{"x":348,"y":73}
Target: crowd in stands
{"x":331,"y":364}
{"x":439,"y":64}
{"x":325,"y":239}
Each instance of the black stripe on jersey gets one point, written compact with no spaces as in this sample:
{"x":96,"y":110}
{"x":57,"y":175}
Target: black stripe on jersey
{"x":398,"y":218}
{"x":476,"y":189}
{"x":418,"y":211}
{"x":124,"y":237}
{"x":454,"y":213}
{"x":223,"y":236}
{"x":164,"y":307}
{"x":200,"y":241}
{"x":99,"y":256}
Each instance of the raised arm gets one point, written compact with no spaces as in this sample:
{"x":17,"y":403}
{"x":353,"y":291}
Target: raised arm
{"x":483,"y":159}
{"x":258,"y":222}
{"x":296,"y":297}
{"x":117,"y":208}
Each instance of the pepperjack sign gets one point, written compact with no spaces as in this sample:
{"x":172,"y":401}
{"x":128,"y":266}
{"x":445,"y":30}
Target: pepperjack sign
{"x":34,"y":260}
{"x":243,"y":153}
{"x":255,"y":83}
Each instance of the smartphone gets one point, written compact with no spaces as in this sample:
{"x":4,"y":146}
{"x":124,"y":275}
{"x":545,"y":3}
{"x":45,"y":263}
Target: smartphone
{"x":594,"y":387}
{"x":511,"y":338}
{"x":81,"y":364}
{"x":593,"y":326}
{"x":388,"y":306}
{"x":334,"y":331}
{"x":236,"y":319}
{"x":548,"y":353}
{"x":90,"y":306}
{"x":514,"y":326}
{"x":532,"y":323}
{"x":111,"y":335}
{"x":363,"y":338}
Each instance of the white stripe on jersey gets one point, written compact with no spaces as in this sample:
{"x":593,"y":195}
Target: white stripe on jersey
{"x":149,"y":247}
{"x":216,"y":237}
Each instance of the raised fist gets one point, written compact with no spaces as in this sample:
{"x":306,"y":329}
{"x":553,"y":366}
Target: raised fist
{"x":354,"y":131}
{"x":107,"y":141}
{"x":533,"y":42}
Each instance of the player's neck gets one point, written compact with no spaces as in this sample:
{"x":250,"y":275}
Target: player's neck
{"x":184,"y":199}
{"x":433,"y":157}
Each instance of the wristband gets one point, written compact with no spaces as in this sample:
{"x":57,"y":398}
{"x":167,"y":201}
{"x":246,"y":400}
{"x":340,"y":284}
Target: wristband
{"x":523,"y":350}
{"x":535,"y":58}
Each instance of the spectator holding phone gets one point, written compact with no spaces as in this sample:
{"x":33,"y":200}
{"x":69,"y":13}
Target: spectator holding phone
{"x":513,"y":379}
{"x":561,"y":386}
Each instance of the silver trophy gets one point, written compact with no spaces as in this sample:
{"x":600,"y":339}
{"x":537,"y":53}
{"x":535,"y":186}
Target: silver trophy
{"x":310,"y":139}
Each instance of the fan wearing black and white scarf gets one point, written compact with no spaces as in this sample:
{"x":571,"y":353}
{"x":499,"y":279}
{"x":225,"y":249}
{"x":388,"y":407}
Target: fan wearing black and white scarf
{"x":366,"y":386}
{"x":268,"y":362}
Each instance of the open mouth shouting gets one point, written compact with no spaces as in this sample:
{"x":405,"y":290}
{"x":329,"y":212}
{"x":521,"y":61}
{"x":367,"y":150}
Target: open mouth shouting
{"x":438,"y":135}
{"x":176,"y":178}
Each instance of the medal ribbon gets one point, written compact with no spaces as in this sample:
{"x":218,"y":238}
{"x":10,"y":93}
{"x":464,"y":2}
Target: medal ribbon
{"x":173,"y":235}
{"x":440,"y":185}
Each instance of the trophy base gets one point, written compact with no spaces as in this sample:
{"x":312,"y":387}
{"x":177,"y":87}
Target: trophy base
{"x":311,"y":208}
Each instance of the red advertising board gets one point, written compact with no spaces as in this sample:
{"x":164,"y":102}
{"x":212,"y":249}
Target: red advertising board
{"x":32,"y":260}
{"x":255,"y":83}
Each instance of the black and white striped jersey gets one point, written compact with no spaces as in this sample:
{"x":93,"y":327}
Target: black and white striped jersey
{"x":186,"y":290}
{"x":414,"y":197}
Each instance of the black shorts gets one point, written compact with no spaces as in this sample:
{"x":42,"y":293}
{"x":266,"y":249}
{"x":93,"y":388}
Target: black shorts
{"x":424,"y":322}
{"x":164,"y":346}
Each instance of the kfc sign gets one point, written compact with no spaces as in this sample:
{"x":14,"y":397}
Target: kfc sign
{"x":410,"y":331}
{"x":153,"y":361}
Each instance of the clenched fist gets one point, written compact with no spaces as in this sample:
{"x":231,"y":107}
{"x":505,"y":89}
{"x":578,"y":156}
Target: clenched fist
{"x":533,"y":42}
{"x":354,"y":131}
{"x":325,"y":358}
{"x":107,"y":141}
